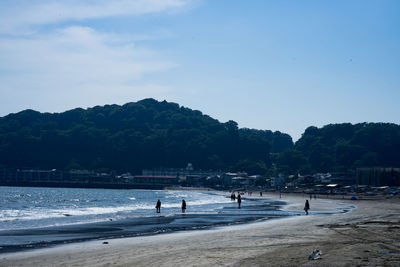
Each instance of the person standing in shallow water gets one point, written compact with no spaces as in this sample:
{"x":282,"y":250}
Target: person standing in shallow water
{"x":239,"y":199}
{"x":183,"y":206}
{"x":306,"y":207}
{"x":158,"y":206}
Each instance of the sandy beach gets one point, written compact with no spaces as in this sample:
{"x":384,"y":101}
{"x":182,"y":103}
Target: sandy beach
{"x":368,"y":235}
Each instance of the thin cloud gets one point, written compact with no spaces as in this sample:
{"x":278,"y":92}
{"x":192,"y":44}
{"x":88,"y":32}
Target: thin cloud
{"x":76,"y":62}
{"x":70,"y":66}
{"x":20,"y":16}
{"x":76,"y":50}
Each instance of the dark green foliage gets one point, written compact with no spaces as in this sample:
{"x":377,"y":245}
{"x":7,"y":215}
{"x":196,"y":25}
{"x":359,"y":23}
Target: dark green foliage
{"x":292,"y":161}
{"x":145,"y":134}
{"x":340,"y":147}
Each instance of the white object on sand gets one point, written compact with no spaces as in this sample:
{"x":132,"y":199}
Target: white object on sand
{"x":316,"y":254}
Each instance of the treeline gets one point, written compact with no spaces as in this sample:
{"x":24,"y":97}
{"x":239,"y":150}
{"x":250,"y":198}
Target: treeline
{"x":342,"y":147}
{"x":152,"y":134}
{"x":132,"y":137}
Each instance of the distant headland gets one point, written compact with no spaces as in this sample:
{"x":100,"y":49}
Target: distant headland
{"x":149,"y":134}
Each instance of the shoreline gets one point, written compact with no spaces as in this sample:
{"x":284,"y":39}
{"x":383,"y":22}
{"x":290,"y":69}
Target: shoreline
{"x":33,"y":238}
{"x":367,"y":235}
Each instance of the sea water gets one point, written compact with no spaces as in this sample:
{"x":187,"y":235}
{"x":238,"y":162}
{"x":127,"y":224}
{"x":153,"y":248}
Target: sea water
{"x":39,"y":207}
{"x":38,"y":217}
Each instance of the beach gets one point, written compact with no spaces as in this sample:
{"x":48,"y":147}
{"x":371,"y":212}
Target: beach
{"x":367,"y":235}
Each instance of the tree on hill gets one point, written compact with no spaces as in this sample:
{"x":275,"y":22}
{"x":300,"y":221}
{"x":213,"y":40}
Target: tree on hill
{"x":131,"y":137}
{"x":341,"y":147}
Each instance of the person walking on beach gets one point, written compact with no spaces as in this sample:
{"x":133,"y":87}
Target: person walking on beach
{"x":239,"y":199}
{"x":183,"y":206}
{"x":158,"y":206}
{"x":306,"y":207}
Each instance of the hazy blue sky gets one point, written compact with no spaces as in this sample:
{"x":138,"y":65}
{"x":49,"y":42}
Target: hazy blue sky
{"x":276,"y":65}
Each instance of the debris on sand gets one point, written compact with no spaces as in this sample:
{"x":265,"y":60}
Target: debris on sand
{"x":316,"y":254}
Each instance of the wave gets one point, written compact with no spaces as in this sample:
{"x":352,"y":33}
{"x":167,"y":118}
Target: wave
{"x":37,"y":214}
{"x":69,"y":206}
{"x":74,"y":210}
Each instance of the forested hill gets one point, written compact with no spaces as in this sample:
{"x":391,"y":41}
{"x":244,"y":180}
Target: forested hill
{"x":340,"y":147}
{"x":145,"y":134}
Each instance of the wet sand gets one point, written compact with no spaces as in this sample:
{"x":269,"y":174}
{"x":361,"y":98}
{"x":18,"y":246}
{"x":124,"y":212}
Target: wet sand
{"x":18,"y":240}
{"x":369,"y":235}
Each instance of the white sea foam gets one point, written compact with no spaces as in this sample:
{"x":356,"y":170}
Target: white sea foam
{"x":69,"y":206}
{"x":37,"y":214}
{"x":42,"y":213}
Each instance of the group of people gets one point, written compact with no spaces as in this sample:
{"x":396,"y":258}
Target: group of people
{"x":239,"y":199}
{"x":158,"y":206}
{"x":233,"y":197}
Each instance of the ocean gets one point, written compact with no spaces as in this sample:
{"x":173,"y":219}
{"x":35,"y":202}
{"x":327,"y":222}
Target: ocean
{"x":42,"y":217}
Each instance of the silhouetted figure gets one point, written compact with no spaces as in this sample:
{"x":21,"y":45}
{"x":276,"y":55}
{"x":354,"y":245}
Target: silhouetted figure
{"x":239,"y":199}
{"x":260,"y":194}
{"x":158,"y":206}
{"x":183,"y":206}
{"x":306,"y":207}
{"x":233,"y":196}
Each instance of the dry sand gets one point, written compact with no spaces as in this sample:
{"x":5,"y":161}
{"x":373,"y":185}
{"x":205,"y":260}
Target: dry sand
{"x":369,"y":235}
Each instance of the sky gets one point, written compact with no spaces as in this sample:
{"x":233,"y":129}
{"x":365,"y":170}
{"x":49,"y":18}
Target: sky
{"x":272,"y":65}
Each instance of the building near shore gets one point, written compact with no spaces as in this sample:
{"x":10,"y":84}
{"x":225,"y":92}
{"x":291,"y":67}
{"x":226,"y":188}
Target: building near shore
{"x":155,"y":180}
{"x":278,"y":181}
{"x":378,"y":176}
{"x":179,"y":172}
